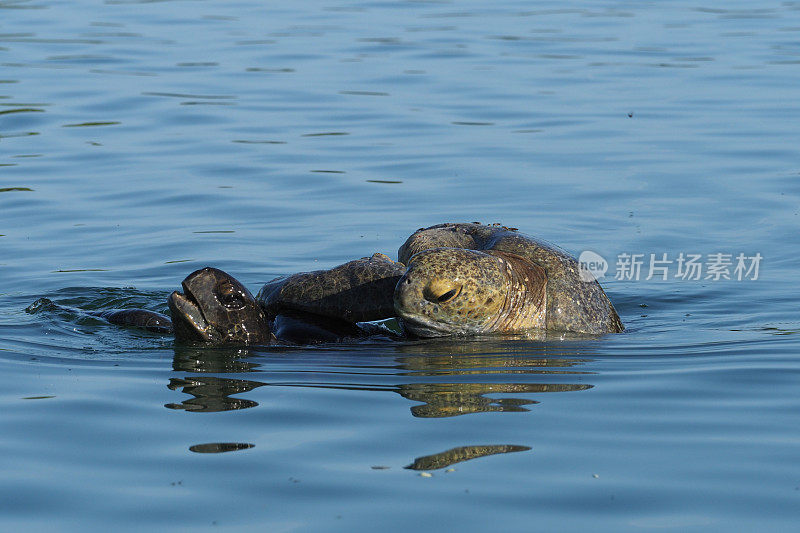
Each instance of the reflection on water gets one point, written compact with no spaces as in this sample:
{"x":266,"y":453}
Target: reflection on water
{"x":141,"y":140}
{"x":212,"y":394}
{"x":220,"y":447}
{"x":496,"y":374}
{"x":436,"y":365}
{"x":212,"y":359}
{"x":458,"y":377}
{"x":543,"y":346}
{"x":453,"y":399}
{"x":461,"y":454}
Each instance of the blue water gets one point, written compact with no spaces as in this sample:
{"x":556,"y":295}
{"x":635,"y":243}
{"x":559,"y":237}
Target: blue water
{"x":142,"y":140}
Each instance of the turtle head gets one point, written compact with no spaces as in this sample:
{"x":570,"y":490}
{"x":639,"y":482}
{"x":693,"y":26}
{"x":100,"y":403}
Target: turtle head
{"x":214,"y":307}
{"x":449,"y":291}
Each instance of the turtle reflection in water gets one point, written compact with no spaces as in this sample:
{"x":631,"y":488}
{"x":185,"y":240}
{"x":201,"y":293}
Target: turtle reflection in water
{"x":461,"y":454}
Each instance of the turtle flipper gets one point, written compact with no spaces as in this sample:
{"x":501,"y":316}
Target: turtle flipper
{"x":137,"y":318}
{"x":357,"y":291}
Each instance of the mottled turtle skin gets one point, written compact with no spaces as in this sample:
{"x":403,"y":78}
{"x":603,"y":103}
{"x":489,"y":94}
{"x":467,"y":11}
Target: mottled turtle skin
{"x":448,"y":291}
{"x":475,"y":278}
{"x":357,"y":291}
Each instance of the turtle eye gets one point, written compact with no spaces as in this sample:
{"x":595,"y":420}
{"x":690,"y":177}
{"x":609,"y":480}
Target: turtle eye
{"x":230,"y":296}
{"x":440,"y":291}
{"x":449,"y":295}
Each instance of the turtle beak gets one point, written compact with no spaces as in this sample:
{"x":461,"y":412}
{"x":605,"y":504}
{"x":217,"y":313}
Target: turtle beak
{"x":187,"y":317}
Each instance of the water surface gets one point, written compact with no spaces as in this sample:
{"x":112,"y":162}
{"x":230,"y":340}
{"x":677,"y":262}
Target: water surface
{"x":140,"y":141}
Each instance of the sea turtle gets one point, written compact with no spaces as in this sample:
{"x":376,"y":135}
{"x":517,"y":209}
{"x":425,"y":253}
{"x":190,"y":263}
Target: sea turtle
{"x":215,"y":307}
{"x":456,"y":279}
{"x":450,"y":279}
{"x":305,"y":308}
{"x":476,"y":278}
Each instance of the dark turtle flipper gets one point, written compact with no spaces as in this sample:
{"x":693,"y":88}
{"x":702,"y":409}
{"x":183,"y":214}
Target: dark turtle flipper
{"x":137,"y":318}
{"x":357,"y":291}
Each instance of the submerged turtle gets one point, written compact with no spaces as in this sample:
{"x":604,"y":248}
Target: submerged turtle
{"x":459,"y":279}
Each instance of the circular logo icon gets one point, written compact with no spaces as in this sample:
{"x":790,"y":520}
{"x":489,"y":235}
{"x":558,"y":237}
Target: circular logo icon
{"x":592,"y":266}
